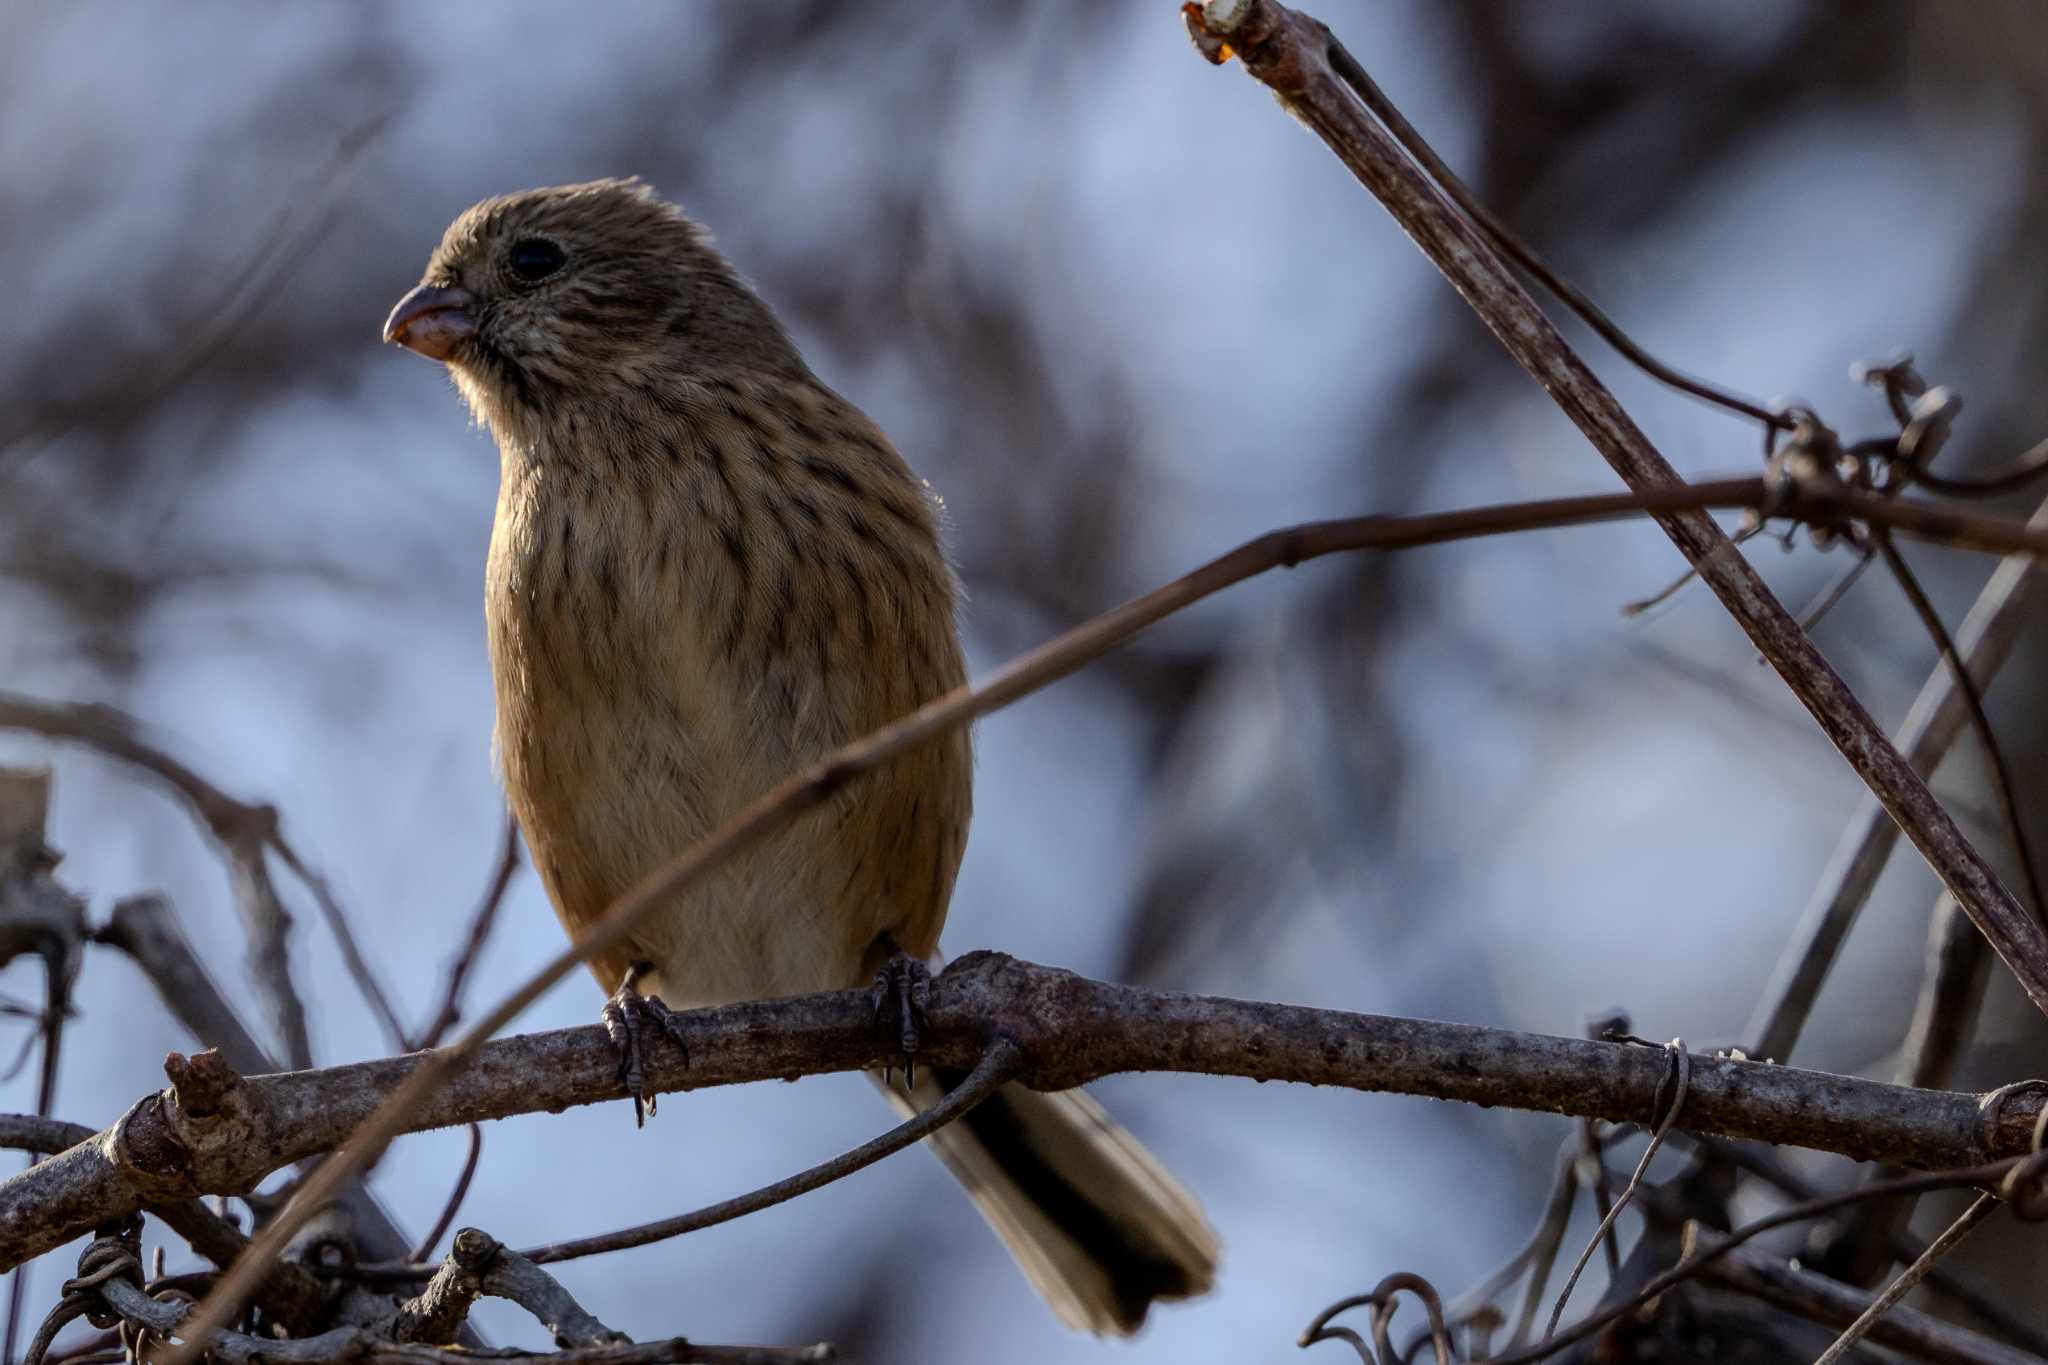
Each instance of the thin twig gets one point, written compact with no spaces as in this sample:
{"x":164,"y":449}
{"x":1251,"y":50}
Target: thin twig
{"x":42,"y":917}
{"x":1601,"y":1188}
{"x":1973,"y":702}
{"x":1931,"y":728}
{"x":1385,"y":1298}
{"x":1681,"y":1065}
{"x":58,"y":985}
{"x":1524,"y":255}
{"x":1796,"y":1290}
{"x":1951,"y":989}
{"x":2016,"y":473}
{"x":345,"y":939}
{"x":1539,"y":1253}
{"x":1979,"y":1303}
{"x":479,"y":931}
{"x":1541,"y":1247}
{"x":241,"y":830}
{"x":1695,"y":1261}
{"x":998,"y":1066}
{"x":1909,"y":1277}
{"x":455,"y":1196}
{"x":244,"y":830}
{"x":293,"y":231}
{"x":1812,"y":614}
{"x":1296,"y":58}
{"x":2022,"y":943}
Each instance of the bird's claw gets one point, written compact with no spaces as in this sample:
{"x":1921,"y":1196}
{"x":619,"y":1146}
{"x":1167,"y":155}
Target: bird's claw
{"x":903,"y":986}
{"x":630,"y":1020}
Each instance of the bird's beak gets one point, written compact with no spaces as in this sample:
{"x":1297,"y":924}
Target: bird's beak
{"x":433,"y":320}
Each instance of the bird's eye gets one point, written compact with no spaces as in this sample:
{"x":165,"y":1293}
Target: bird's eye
{"x":535,"y":258}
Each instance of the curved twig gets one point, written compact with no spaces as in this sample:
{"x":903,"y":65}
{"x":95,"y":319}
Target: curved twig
{"x":1681,"y":1069}
{"x":998,"y":1065}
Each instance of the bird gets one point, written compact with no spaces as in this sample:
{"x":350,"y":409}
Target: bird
{"x":707,"y":570}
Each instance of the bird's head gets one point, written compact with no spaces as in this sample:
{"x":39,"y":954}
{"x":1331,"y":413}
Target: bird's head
{"x":550,"y":299}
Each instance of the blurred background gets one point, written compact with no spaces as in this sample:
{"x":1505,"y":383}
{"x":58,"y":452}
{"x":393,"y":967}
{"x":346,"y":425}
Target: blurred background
{"x":1124,"y":314}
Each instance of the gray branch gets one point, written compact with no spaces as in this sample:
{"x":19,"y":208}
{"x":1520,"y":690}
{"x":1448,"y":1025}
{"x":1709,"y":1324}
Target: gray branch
{"x":145,"y":928}
{"x":365,"y":1346}
{"x":1299,"y":60}
{"x":213,"y":1132}
{"x":1769,"y":1278}
{"x":480,"y":1266}
{"x":246,"y":833}
{"x":1930,"y":730}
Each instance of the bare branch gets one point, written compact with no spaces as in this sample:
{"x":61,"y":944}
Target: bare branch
{"x":479,"y":931}
{"x":1931,"y":729}
{"x":146,"y":928}
{"x":1697,"y":1258}
{"x":1772,"y":1280}
{"x":244,"y":832}
{"x":36,"y":915}
{"x":344,"y":939}
{"x":1804,"y":493}
{"x":1070,"y":1031}
{"x":997,"y":1066}
{"x":241,"y":830}
{"x":1293,"y":55}
{"x":362,"y":1346}
{"x":1973,"y":703}
{"x":455,"y":1196}
{"x":292,"y":1294}
{"x":481,"y":1266}
{"x":1909,"y":1278}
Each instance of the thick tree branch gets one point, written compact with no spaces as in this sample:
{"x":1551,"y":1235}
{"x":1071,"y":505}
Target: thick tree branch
{"x":1297,"y":58}
{"x":146,"y":928}
{"x":292,"y":1295}
{"x":213,"y":1133}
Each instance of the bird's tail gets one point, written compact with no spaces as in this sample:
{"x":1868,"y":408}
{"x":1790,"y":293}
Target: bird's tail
{"x":1092,"y":1217}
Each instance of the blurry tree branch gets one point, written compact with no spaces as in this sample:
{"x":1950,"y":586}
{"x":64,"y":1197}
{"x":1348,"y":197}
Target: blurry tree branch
{"x":1322,"y":85}
{"x":292,"y":1293}
{"x":146,"y":929}
{"x":1929,"y":731}
{"x":418,"y":1332}
{"x":1769,"y":1278}
{"x":214,"y":1132}
{"x":502,"y":871}
{"x":244,"y":832}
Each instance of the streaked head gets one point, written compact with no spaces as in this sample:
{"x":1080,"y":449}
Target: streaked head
{"x":568,"y":295}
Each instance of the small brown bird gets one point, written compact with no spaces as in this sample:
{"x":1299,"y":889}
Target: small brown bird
{"x":707,"y":571}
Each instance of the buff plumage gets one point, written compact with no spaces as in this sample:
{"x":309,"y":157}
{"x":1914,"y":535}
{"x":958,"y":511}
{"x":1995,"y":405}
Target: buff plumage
{"x":708,"y":570}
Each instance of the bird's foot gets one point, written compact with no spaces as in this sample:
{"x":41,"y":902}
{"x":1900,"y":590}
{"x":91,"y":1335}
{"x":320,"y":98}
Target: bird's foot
{"x":903,"y":986}
{"x":632,"y":1021}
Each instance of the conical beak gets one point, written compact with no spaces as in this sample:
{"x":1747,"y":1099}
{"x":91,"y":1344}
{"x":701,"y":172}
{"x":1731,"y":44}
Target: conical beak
{"x":433,"y":320}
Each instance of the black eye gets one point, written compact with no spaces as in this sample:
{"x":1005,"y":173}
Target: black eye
{"x":535,"y":258}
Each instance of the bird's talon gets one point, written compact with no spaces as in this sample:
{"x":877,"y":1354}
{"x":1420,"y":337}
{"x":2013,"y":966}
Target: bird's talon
{"x":903,"y":985}
{"x":626,"y":1018}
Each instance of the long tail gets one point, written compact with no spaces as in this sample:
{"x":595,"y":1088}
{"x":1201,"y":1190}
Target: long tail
{"x":1092,"y":1217}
